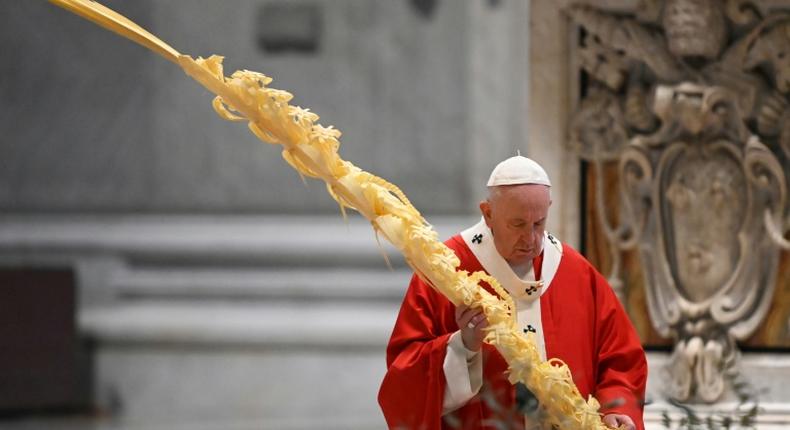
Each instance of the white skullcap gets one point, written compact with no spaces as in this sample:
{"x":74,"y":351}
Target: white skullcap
{"x":518,"y":170}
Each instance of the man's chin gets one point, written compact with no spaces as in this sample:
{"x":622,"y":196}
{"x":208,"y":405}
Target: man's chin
{"x":520,"y":257}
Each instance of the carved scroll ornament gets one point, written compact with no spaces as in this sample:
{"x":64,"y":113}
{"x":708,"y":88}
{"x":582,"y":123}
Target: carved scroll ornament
{"x":700,"y":131}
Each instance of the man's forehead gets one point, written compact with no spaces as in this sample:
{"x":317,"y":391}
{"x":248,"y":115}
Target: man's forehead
{"x":525,"y":218}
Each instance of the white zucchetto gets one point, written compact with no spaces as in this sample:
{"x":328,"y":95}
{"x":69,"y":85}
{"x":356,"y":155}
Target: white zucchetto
{"x":518,"y":170}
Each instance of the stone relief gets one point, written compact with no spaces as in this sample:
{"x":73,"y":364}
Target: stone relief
{"x":690,"y":98}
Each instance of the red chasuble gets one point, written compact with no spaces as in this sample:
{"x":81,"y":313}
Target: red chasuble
{"x":583,"y":324}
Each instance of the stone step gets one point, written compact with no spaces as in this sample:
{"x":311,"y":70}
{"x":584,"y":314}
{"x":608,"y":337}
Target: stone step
{"x":374,"y":420}
{"x":275,"y":241}
{"x":341,"y":283}
{"x":240,"y":365}
{"x":217,"y":324}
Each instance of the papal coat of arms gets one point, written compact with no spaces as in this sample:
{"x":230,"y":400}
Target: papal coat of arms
{"x":690,"y":97}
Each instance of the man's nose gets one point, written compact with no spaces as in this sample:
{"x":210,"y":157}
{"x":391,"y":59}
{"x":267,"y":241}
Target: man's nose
{"x":528,"y":233}
{"x":532,"y":234}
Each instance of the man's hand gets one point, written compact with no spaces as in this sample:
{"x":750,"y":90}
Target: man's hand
{"x":619,"y":421}
{"x":471,"y":321}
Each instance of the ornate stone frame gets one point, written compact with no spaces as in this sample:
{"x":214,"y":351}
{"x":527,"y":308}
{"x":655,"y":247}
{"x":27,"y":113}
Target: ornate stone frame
{"x":713,"y":111}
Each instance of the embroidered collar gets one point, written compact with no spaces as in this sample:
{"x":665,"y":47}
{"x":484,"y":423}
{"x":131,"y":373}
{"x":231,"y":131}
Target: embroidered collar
{"x":480,"y":240}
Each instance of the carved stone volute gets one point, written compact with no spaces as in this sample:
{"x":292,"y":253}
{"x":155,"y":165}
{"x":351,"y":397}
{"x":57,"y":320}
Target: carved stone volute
{"x":699,"y":129}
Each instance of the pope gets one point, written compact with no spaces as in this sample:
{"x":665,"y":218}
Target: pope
{"x":440,"y":375}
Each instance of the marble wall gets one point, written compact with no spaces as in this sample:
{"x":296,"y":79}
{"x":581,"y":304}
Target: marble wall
{"x":93,"y":123}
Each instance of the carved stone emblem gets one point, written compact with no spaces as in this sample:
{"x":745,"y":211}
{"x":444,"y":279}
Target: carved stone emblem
{"x":700,"y":132}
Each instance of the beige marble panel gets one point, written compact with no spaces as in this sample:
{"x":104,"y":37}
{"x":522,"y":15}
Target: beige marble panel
{"x":549,"y":109}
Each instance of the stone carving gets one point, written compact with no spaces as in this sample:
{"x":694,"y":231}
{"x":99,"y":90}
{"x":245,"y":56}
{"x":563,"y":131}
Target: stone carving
{"x":700,"y":130}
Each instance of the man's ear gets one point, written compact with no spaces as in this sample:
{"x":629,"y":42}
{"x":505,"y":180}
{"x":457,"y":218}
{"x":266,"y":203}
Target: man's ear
{"x":485,"y":209}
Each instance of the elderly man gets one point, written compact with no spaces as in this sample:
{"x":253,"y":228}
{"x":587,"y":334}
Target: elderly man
{"x":440,"y":375}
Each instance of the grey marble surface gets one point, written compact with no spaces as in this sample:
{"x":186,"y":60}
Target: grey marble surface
{"x":92,"y":122}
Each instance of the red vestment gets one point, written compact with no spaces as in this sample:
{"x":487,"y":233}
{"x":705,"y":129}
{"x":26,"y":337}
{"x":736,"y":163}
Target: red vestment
{"x":584,"y":325}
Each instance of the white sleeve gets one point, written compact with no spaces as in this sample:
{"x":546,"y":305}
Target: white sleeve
{"x":463,"y":372}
